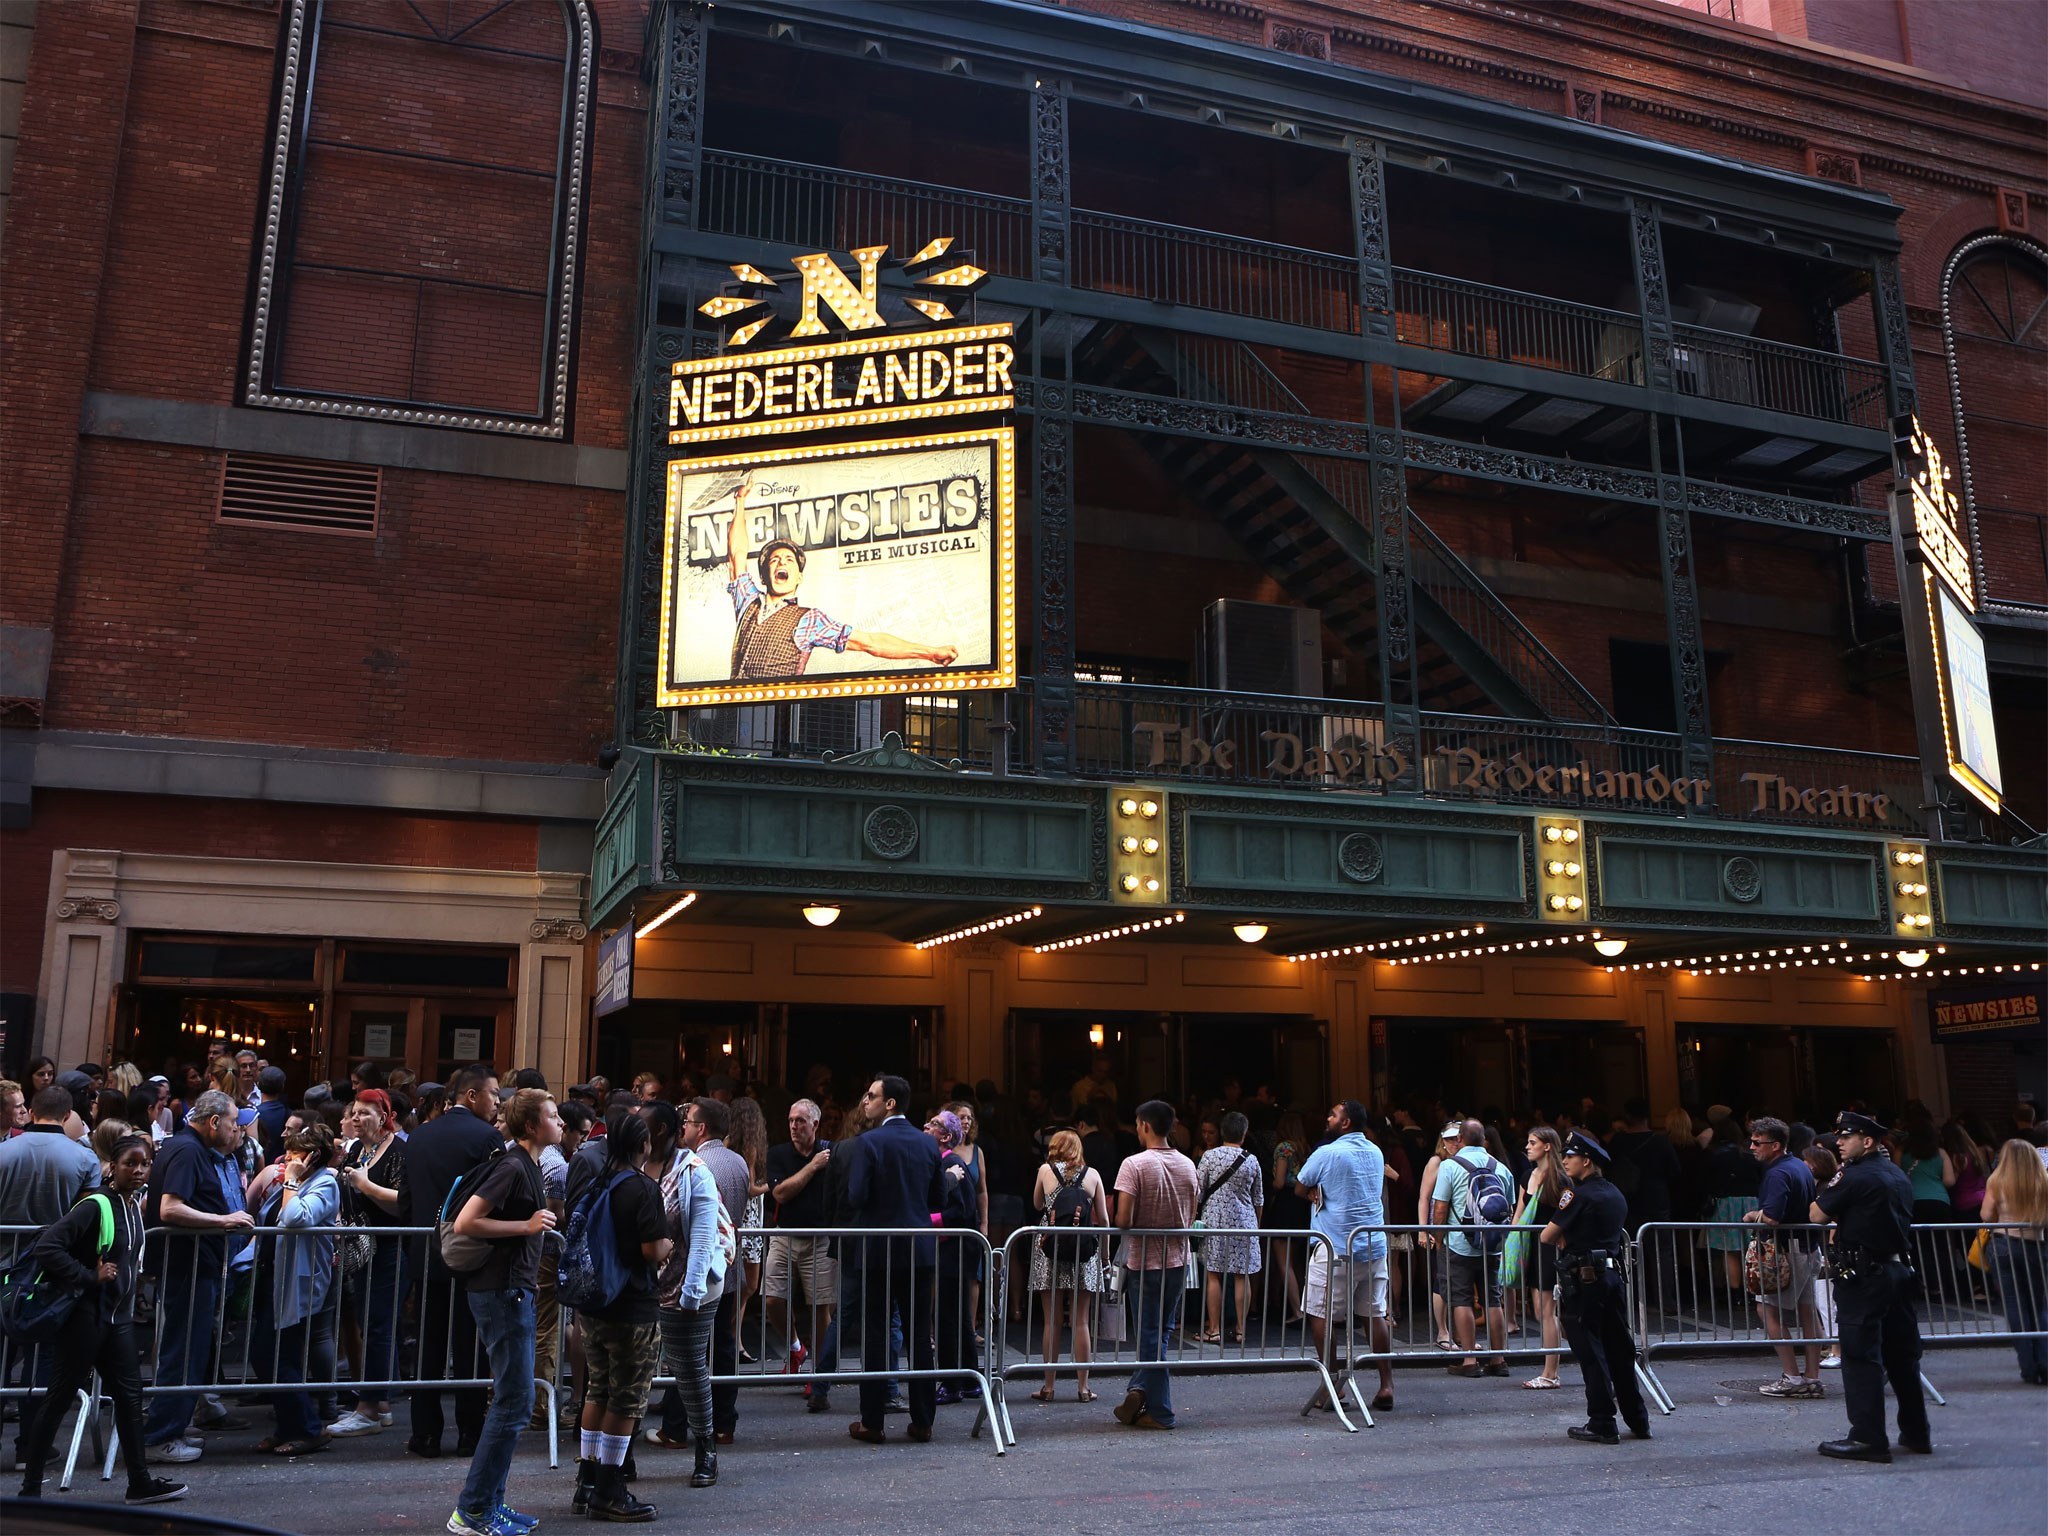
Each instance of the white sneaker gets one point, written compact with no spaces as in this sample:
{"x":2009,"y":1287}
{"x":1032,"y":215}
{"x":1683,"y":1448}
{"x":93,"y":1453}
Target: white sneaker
{"x":383,"y":1419}
{"x":177,"y":1452}
{"x":1831,"y":1362}
{"x":355,"y":1422}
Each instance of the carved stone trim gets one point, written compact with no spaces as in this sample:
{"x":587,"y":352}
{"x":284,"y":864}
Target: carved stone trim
{"x":558,"y":930}
{"x":88,"y":909}
{"x":890,"y":832}
{"x":1304,"y":42}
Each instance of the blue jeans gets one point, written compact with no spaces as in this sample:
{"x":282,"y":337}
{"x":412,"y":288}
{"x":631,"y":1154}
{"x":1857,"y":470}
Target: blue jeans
{"x":1153,"y":1297}
{"x":373,"y":1294}
{"x":504,"y":1326}
{"x":2023,"y":1286}
{"x":186,"y":1306}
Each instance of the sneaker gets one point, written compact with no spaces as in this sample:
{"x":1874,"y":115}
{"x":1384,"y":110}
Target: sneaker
{"x":1831,"y":1362}
{"x":173,"y":1452}
{"x":514,"y":1521}
{"x":495,"y":1523}
{"x":1810,"y":1389}
{"x":1791,"y":1386}
{"x":158,"y":1490}
{"x":355,"y":1422}
{"x":797,"y":1356}
{"x":383,"y":1419}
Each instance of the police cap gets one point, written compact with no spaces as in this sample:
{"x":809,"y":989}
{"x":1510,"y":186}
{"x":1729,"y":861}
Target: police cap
{"x":1579,"y":1144}
{"x":1850,"y":1123}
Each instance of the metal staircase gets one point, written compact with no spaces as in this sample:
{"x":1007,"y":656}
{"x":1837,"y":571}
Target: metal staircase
{"x":1308,"y":520}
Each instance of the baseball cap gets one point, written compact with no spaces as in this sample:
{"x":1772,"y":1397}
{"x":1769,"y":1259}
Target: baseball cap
{"x":1452,"y":1131}
{"x":245,"y":1117}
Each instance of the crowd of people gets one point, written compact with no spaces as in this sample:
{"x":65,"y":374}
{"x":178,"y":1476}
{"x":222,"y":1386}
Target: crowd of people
{"x":212,"y":1203}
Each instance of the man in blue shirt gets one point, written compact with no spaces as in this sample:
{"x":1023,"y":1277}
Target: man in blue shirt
{"x":1344,"y":1181}
{"x":1784,"y":1198}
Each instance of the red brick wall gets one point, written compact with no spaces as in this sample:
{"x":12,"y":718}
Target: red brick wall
{"x":227,"y":828}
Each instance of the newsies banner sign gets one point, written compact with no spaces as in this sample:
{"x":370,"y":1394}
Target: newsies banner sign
{"x":2014,"y":1010}
{"x":876,"y":556}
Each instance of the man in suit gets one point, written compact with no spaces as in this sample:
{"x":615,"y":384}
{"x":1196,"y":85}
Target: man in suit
{"x":894,"y":1179}
{"x":438,"y":1154}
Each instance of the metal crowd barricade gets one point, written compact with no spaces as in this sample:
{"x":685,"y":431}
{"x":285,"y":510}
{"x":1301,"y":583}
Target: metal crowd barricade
{"x":25,"y":1369}
{"x":869,"y":1289}
{"x":1690,"y":1290}
{"x":236,"y":1361}
{"x":1509,"y":1310}
{"x":1237,"y":1308}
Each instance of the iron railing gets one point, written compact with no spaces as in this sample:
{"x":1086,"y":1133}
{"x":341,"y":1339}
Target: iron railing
{"x":786,"y":202}
{"x":1148,"y":732}
{"x":1449,"y":314}
{"x":1775,"y":376}
{"x":1205,"y":270}
{"x":790,"y":202}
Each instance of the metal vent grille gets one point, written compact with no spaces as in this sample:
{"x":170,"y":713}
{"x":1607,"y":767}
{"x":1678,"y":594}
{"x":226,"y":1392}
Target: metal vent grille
{"x":308,"y":494}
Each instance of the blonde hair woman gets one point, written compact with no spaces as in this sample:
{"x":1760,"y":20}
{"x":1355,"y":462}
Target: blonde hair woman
{"x":2015,"y":1208}
{"x":1546,"y":1186}
{"x":1062,"y":1272}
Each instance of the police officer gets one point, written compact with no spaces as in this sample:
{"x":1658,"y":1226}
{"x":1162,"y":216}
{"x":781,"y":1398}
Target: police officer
{"x":1588,"y":1227}
{"x":1871,"y":1204}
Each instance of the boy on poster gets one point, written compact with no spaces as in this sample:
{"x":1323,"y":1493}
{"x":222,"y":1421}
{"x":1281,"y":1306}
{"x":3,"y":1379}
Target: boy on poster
{"x":775,"y":633}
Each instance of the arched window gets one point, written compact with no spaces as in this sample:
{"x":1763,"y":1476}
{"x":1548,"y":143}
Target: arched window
{"x":424,"y":216}
{"x":1994,"y":306}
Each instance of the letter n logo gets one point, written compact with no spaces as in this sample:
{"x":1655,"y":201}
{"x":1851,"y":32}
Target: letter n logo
{"x":855,"y":307}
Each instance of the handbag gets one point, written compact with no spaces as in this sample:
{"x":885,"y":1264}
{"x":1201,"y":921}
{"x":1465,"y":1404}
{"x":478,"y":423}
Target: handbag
{"x":1515,"y":1257}
{"x":1980,"y":1249}
{"x":1766,"y":1267}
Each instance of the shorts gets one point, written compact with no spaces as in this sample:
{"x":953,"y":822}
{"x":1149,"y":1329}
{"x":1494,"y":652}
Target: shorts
{"x":1466,"y":1272}
{"x":1368,"y":1279}
{"x":802,"y":1260}
{"x":1800,"y":1293}
{"x":620,"y":1360}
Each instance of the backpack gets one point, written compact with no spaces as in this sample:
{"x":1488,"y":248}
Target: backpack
{"x":1488,"y":1202}
{"x":33,"y":1307}
{"x":590,"y":1274}
{"x":461,"y":1253}
{"x":1071,"y":1207}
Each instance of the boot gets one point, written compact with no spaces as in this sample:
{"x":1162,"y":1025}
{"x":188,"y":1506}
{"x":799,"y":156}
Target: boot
{"x":613,"y":1500}
{"x":632,"y":1473}
{"x":706,"y":1471}
{"x":586,"y":1484}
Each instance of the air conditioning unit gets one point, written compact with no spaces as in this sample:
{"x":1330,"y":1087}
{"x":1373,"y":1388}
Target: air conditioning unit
{"x":1262,"y":648}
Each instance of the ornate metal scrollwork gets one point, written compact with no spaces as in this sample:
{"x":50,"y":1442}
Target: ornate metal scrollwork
{"x":1742,"y":879}
{"x":1646,"y":236}
{"x":1053,"y":549}
{"x":1375,"y":263}
{"x":1049,"y":202}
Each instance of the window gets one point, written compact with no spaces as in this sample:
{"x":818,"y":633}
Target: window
{"x":425,"y":212}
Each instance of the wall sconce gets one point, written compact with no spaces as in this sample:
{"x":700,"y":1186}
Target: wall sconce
{"x":1251,"y":933}
{"x":1912,"y":959}
{"x":1611,"y":947}
{"x":1095,"y":1036}
{"x":820,"y":915}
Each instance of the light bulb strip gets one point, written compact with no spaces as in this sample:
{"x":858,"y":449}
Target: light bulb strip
{"x":2014,"y":969}
{"x":1506,"y":947}
{"x":1378,"y":946}
{"x":1828,"y":952}
{"x":686,"y":899}
{"x":1122,"y":931}
{"x":988,"y":927}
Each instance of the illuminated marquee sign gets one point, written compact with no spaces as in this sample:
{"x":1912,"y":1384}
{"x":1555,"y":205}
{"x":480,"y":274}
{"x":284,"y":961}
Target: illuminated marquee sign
{"x":1953,"y":650}
{"x":841,"y":570}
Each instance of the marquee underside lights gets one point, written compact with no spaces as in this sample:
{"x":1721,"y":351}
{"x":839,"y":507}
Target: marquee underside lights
{"x":1506,"y":947}
{"x":1381,"y":946}
{"x":686,"y":900}
{"x":1122,"y":931}
{"x":2015,"y":968}
{"x":980,"y":928}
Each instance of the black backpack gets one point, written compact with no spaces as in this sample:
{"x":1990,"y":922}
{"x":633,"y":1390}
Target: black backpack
{"x":1072,"y":1207}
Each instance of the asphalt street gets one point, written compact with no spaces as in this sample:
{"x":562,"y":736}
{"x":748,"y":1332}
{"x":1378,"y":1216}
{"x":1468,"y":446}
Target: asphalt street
{"x":1455,"y":1456}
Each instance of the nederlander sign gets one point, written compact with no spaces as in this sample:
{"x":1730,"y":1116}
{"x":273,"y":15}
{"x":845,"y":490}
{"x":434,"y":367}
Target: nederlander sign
{"x":1362,"y":763}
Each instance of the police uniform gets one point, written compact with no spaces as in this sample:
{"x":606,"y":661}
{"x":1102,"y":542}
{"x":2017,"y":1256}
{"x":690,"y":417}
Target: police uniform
{"x":1871,"y":1204}
{"x":1592,"y":1302}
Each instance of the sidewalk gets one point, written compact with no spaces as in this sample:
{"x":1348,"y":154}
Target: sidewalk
{"x":1474,"y":1457}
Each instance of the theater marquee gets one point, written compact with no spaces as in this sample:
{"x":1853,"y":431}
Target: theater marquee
{"x":841,"y":570}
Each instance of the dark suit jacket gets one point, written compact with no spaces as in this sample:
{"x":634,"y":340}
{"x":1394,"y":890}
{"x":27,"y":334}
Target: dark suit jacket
{"x":271,"y":1115}
{"x":439,"y":1153}
{"x":893,"y":1179}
